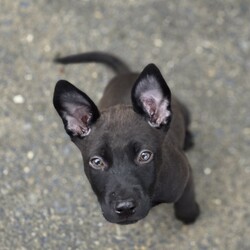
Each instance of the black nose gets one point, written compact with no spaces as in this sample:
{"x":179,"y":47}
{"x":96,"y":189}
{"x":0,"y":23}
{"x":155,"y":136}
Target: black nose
{"x":125,"y":207}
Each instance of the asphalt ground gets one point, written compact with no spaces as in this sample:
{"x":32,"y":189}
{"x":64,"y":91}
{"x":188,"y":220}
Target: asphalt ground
{"x":203,"y":50}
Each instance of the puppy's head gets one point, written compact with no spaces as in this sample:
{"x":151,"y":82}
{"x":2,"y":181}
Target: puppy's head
{"x":121,"y":146}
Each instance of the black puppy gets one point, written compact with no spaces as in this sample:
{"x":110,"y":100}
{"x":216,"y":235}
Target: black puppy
{"x":132,"y":145}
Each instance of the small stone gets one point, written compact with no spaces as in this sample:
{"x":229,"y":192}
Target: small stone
{"x":27,"y":126}
{"x":207,"y":171}
{"x":5,"y":171}
{"x":47,"y":48}
{"x":4,"y":191}
{"x":26,"y":170}
{"x":98,"y":15}
{"x":217,"y":202}
{"x":45,"y":191}
{"x":158,"y":43}
{"x":30,"y":155}
{"x":29,"y":38}
{"x":81,"y":222}
{"x":48,"y":168}
{"x":40,"y":118}
{"x":97,"y":243}
{"x":18,"y":99}
{"x":28,"y":77}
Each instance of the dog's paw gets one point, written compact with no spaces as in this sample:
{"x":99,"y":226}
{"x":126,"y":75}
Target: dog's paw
{"x":188,"y":216}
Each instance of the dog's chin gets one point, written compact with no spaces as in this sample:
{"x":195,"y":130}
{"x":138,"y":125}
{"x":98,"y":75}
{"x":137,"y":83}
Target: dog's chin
{"x":125,"y":220}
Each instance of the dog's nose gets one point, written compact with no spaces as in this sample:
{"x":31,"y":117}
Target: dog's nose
{"x":125,"y":207}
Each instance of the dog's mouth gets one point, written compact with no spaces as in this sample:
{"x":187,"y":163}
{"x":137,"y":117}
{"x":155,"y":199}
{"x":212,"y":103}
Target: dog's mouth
{"x":126,"y":222}
{"x":123,"y":220}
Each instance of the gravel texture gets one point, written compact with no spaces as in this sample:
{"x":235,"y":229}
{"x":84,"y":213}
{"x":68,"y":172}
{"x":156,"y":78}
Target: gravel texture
{"x":203,"y":49}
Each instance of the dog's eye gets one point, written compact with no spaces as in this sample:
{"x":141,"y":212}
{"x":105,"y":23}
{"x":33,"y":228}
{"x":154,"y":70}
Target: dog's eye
{"x":144,"y":156}
{"x":97,"y":162}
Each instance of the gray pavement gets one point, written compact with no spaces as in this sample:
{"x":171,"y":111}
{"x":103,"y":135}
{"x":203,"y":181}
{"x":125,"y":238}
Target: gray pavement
{"x":203,"y":49}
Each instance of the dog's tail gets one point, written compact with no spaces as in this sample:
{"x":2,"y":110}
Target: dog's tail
{"x":118,"y":66}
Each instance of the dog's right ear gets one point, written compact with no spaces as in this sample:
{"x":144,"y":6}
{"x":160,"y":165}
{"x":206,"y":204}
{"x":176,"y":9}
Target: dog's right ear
{"x":77,"y":110}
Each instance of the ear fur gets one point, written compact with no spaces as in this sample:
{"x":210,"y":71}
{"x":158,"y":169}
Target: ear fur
{"x":151,"y":97}
{"x":77,"y":111}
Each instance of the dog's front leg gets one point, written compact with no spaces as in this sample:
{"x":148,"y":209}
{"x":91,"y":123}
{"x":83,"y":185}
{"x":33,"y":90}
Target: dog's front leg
{"x":186,"y":208}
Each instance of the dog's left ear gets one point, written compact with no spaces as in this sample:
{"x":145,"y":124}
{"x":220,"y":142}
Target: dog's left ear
{"x":151,"y":97}
{"x":77,"y":110}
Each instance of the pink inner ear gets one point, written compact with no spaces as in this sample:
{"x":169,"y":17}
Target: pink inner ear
{"x":156,"y":107}
{"x":149,"y":105}
{"x":77,"y":118}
